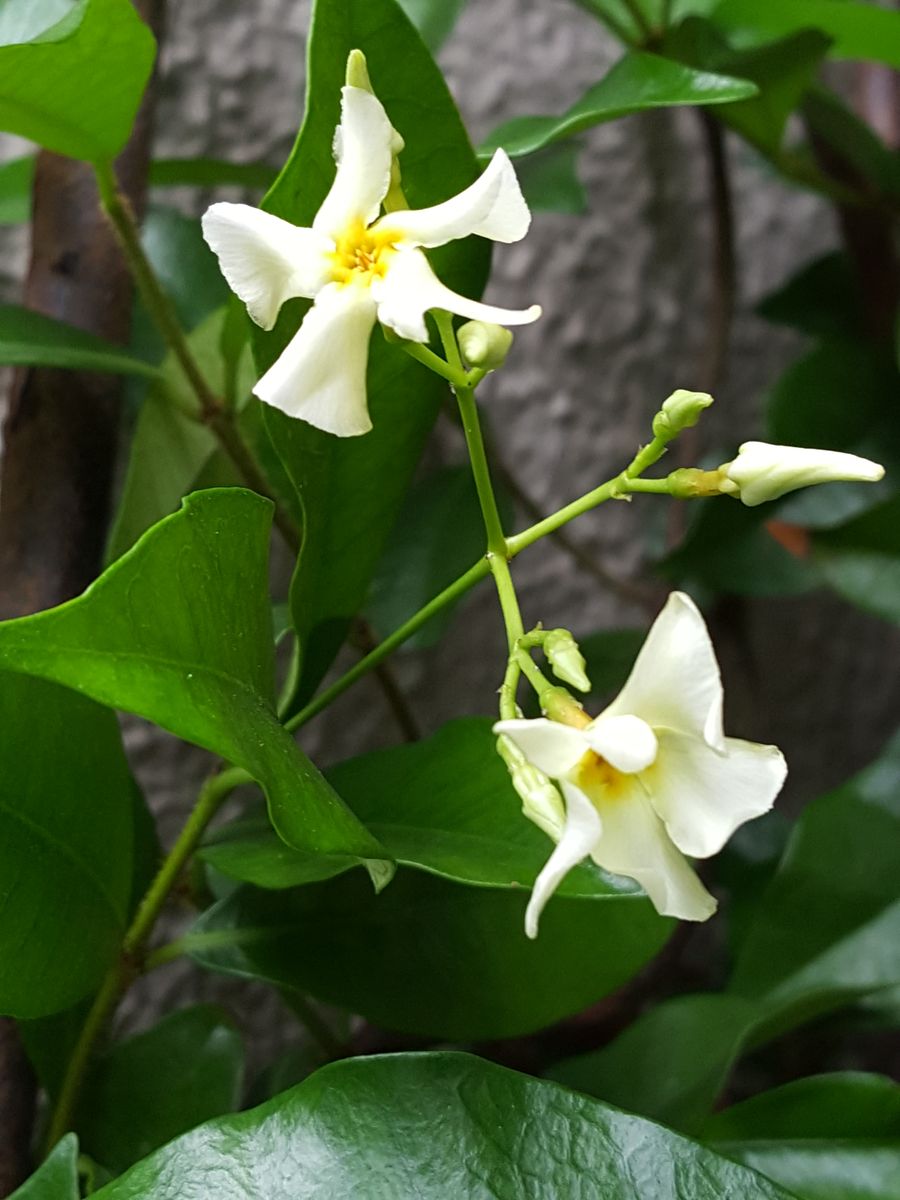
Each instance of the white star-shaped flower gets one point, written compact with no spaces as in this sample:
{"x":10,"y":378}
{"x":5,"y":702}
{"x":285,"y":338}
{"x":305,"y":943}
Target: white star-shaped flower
{"x":653,"y":778}
{"x":357,"y":266}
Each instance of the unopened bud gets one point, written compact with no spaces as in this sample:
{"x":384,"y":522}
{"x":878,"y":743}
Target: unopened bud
{"x":681,"y":411}
{"x":483,"y":344}
{"x":541,"y":802}
{"x":566,"y":660}
{"x":764,"y":472}
{"x":691,"y":482}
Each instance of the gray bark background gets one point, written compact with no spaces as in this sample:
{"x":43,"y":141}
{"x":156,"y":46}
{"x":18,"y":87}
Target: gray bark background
{"x":625,"y":292}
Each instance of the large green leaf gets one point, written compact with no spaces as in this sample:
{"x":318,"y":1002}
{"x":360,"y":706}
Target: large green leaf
{"x":637,"y":82}
{"x":434,"y":19}
{"x":30,"y":339}
{"x":431,"y":957}
{"x":65,"y":845}
{"x":858,"y":30}
{"x":209,"y":173}
{"x":444,"y":805}
{"x":179,"y":631}
{"x":156,"y":1085}
{"x":431,"y":1127}
{"x":831,"y":1137}
{"x":15,"y":190}
{"x":549,"y":179}
{"x":75,"y":87}
{"x":57,"y":1176}
{"x":350,"y":489}
{"x":823,"y":299}
{"x":861,"y":560}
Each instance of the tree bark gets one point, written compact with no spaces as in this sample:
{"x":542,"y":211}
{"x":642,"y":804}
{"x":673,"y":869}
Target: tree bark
{"x":59,"y":445}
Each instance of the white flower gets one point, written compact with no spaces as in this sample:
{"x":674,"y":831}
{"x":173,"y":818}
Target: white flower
{"x":653,"y":778}
{"x":764,"y":472}
{"x":357,"y":266}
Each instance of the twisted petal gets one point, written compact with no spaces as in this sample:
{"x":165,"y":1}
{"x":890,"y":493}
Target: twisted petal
{"x":493,"y":207}
{"x":265,"y":260}
{"x":764,"y":472}
{"x":628,"y":743}
{"x":703,"y":796}
{"x":362,"y":145}
{"x":635,"y":843}
{"x":582,"y":830}
{"x":321,"y":376}
{"x":675,"y":682}
{"x":410,"y":287}
{"x":548,"y":745}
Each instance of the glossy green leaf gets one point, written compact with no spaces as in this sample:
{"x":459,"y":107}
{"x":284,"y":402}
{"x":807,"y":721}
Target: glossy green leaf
{"x":30,"y":339}
{"x":438,"y":535}
{"x":156,"y":1085}
{"x":426,"y":956}
{"x":169,"y":449}
{"x":65,"y":848}
{"x":549,"y":179}
{"x":444,"y":805}
{"x":861,"y":560}
{"x":184,"y":264}
{"x":434,"y":19}
{"x":671,"y":1063}
{"x":24,"y":20}
{"x":57,"y":1176}
{"x":830,"y":1137}
{"x":98,"y":56}
{"x":179,"y":631}
{"x":823,"y":299}
{"x":858,"y":30}
{"x":431,"y":1127}
{"x":351,"y":489}
{"x":639,"y":81}
{"x":827,"y":928}
{"x":16,"y":178}
{"x":209,"y":173}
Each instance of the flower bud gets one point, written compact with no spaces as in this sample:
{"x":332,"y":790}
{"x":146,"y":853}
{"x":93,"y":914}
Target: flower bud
{"x":681,"y":411}
{"x":565,"y":659}
{"x":357,"y":73}
{"x":688,"y":483}
{"x":484,"y":345}
{"x":764,"y":472}
{"x":541,"y":802}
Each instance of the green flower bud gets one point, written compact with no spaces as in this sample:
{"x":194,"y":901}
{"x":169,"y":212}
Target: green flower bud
{"x":541,"y":802}
{"x":681,"y":411}
{"x":691,"y":482}
{"x":484,"y":345}
{"x":565,"y":659}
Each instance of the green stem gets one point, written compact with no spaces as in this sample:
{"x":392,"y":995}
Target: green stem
{"x":127,"y":966}
{"x":434,"y":362}
{"x":639,"y":18}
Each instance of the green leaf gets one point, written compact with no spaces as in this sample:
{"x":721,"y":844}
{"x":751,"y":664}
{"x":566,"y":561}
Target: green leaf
{"x":671,"y":1064}
{"x":861,"y":560}
{"x":209,"y":173}
{"x":16,"y":178}
{"x":437,"y":537}
{"x":351,"y":489}
{"x":169,"y":449}
{"x":444,"y":805}
{"x":426,"y":956}
{"x":639,"y":81}
{"x":857,"y":30}
{"x":430,"y":1127}
{"x":179,"y":631}
{"x":32,"y":340}
{"x":827,"y":926}
{"x":434,"y":19}
{"x":24,"y":20}
{"x":57,"y":1176}
{"x":65,"y":847}
{"x":823,"y":299}
{"x":99,"y":57}
{"x":832,"y":122}
{"x":156,"y":1085}
{"x":831,"y":1137}
{"x":549,"y":179}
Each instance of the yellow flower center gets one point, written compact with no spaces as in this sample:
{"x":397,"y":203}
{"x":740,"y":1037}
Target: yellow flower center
{"x":360,"y":255}
{"x":599,"y":779}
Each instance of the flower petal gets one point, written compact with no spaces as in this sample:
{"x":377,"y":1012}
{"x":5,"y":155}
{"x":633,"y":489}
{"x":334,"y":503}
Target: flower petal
{"x":266,"y":260}
{"x":550,"y":746}
{"x":703,"y":796}
{"x":321,"y":376}
{"x":362,"y":144}
{"x":675,"y":682}
{"x":635,"y":843}
{"x":410,"y":287}
{"x":627,"y":742}
{"x":493,"y":207}
{"x":582,"y":830}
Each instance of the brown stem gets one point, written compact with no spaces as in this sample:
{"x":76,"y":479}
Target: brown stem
{"x":724,"y":272}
